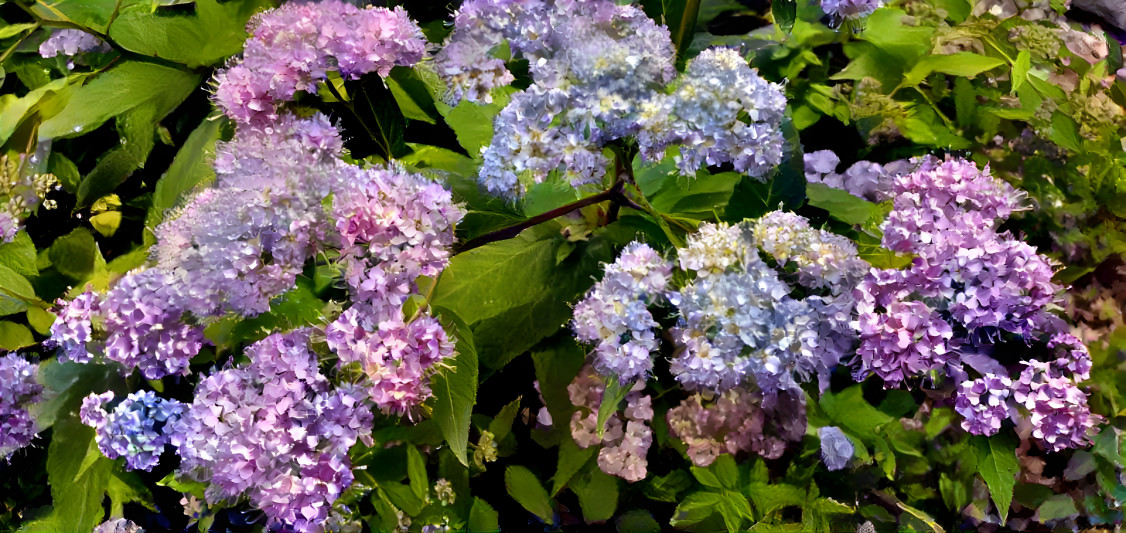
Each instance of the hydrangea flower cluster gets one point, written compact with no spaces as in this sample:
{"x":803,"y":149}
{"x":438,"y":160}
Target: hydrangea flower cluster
{"x":394,"y":227}
{"x":136,"y":429}
{"x":600,"y":73}
{"x":70,"y":42}
{"x":20,"y":390}
{"x":274,"y":430}
{"x":293,"y":47}
{"x":719,"y":111}
{"x":1057,"y":408}
{"x":865,"y":179}
{"x":966,"y":277}
{"x":615,"y":316}
{"x":984,"y":403}
{"x":734,"y":422}
{"x":625,"y":439}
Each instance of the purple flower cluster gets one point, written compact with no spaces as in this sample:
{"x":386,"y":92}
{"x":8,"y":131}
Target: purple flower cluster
{"x":1056,"y":408}
{"x":293,"y":47}
{"x":117,"y":525}
{"x":394,"y":227}
{"x":137,"y":429}
{"x":965,"y":276}
{"x":615,"y":315}
{"x":626,"y":437}
{"x":19,"y":390}
{"x":71,"y":42}
{"x":836,"y":448}
{"x":983,"y":403}
{"x":864,"y":179}
{"x":275,"y":431}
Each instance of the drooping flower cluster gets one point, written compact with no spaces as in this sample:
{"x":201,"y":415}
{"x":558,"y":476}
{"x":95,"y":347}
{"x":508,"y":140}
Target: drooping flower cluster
{"x":1057,"y":408}
{"x":733,"y":422}
{"x":293,"y":47}
{"x":625,"y":440}
{"x":615,"y":316}
{"x":600,"y":73}
{"x":137,"y":429}
{"x":70,"y":42}
{"x":275,"y":431}
{"x":868,"y":180}
{"x":19,"y":391}
{"x":394,"y":227}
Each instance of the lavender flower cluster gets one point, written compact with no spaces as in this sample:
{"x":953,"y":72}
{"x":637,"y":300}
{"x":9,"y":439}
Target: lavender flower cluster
{"x":135,"y":429}
{"x":736,"y":421}
{"x":626,"y":436}
{"x":865,"y":179}
{"x":275,"y":430}
{"x":20,"y":390}
{"x":293,"y":47}
{"x":601,"y":72}
{"x":850,"y":9}
{"x":70,"y":42}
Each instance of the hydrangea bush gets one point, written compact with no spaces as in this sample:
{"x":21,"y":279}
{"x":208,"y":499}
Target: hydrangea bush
{"x":566,"y":265}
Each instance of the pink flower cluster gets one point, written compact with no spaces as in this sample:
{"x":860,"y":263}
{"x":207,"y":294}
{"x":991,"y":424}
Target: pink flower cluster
{"x":293,"y":47}
{"x":276,"y":431}
{"x":626,"y":437}
{"x":737,"y":421}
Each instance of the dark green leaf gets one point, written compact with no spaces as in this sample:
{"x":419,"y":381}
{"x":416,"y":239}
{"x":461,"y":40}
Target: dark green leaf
{"x":127,"y":487}
{"x":1065,"y":132}
{"x":415,"y":90}
{"x":373,"y":119}
{"x":79,"y":477}
{"x":571,"y":460}
{"x":189,"y":169}
{"x":785,"y":12}
{"x":997,"y":463}
{"x":136,"y":128}
{"x":598,"y":495}
{"x":556,"y":366}
{"x":455,"y":389}
{"x":667,"y":488}
{"x":840,"y":204}
{"x":501,"y":425}
{"x":416,"y":473}
{"x":697,"y":511}
{"x":523,"y":487}
{"x":637,"y":521}
{"x":612,"y":397}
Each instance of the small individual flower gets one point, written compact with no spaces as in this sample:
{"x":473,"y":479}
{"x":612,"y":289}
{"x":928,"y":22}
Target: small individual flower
{"x":486,"y":449}
{"x":71,"y":42}
{"x":850,"y":9}
{"x":137,"y":429}
{"x":983,"y":403}
{"x":444,"y":490}
{"x":118,"y":525}
{"x":18,"y":390}
{"x":836,"y":448}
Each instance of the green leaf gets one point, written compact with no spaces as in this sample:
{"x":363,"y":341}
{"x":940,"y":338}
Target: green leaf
{"x":414,"y":90}
{"x":612,"y":397}
{"x":127,"y":487}
{"x":962,"y":64}
{"x":840,"y":204}
{"x":67,"y":384}
{"x":14,"y":109}
{"x":136,"y":128}
{"x":19,"y":255}
{"x":637,"y":521}
{"x":523,"y":487}
{"x":11,"y":30}
{"x":14,"y":336}
{"x":571,"y":460}
{"x":849,"y":409}
{"x":373,"y":119}
{"x":1056,"y":507}
{"x":785,"y":12}
{"x":73,"y":254}
{"x":15,"y":292}
{"x":501,"y":424}
{"x":455,"y":389}
{"x":598,"y":495}
{"x":127,"y":85}
{"x":93,"y":14}
{"x":189,"y":169}
{"x":772,"y":497}
{"x":1021,"y":67}
{"x":668,"y":487}
{"x":519,"y":285}
{"x":697,"y":511}
{"x":416,"y":473}
{"x":997,"y":463}
{"x":1065,"y":132}
{"x":214,"y":31}
{"x":482,"y":517}
{"x":680,"y":17}
{"x":76,"y":491}
{"x":473,"y":123}
{"x":40,"y":320}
